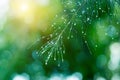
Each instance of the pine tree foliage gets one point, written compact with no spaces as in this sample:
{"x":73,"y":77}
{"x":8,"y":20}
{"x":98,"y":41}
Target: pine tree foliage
{"x":74,"y":19}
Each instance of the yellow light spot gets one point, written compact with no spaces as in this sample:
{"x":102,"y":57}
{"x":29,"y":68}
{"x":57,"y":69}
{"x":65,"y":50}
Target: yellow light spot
{"x":24,"y":7}
{"x":36,"y":14}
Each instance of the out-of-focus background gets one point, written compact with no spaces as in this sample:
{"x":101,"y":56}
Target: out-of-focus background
{"x":59,"y":40}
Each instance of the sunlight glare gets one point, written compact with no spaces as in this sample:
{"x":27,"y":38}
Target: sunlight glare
{"x":23,"y":10}
{"x":24,"y":7}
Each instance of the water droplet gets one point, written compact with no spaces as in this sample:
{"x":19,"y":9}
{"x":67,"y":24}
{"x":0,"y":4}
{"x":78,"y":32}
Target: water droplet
{"x":82,"y":32}
{"x":58,"y":65}
{"x":36,"y":52}
{"x":68,"y":37}
{"x":99,"y":8}
{"x":87,"y":8}
{"x":96,"y":46}
{"x":106,"y":34}
{"x":64,"y":10}
{"x":71,"y":36}
{"x":56,"y":15}
{"x":85,"y":41}
{"x":83,"y":12}
{"x":54,"y":58}
{"x":88,"y":19}
{"x":117,"y":22}
{"x":46,"y":63}
{"x":74,"y":24}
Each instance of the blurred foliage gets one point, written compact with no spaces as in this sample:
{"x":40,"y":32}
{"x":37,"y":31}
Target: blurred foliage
{"x":59,"y":40}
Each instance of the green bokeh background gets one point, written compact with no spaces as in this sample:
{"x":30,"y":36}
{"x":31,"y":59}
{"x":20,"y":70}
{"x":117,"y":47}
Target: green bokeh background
{"x":87,"y":53}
